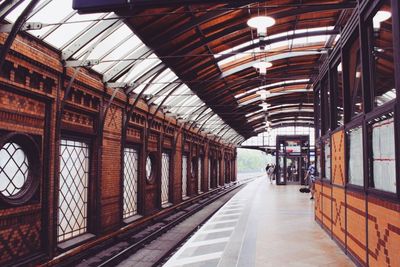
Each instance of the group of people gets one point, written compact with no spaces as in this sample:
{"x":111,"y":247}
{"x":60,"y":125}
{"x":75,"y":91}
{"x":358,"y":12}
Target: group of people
{"x":309,"y":179}
{"x":271,"y":171}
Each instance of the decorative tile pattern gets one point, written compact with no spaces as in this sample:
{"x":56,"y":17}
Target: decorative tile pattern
{"x":131,"y":173}
{"x":327,"y":206}
{"x":73,"y":190}
{"x":338,"y":157}
{"x":318,"y":201}
{"x":19,"y":237}
{"x":383,"y":236}
{"x":338,"y":214}
{"x":356,"y":228}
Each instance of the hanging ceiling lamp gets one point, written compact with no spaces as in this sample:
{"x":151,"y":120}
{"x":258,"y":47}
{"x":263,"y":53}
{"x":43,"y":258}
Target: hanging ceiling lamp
{"x":261,"y":23}
{"x":262,"y":66}
{"x":264,"y":106}
{"x":263,"y":94}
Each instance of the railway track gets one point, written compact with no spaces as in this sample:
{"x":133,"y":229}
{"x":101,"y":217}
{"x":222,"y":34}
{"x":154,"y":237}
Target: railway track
{"x":114,"y":251}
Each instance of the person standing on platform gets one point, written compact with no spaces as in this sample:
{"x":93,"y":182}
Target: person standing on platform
{"x":310,"y":177}
{"x":270,"y":172}
{"x":266,"y":168}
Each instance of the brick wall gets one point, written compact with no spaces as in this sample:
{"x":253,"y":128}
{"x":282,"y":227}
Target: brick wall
{"x":32,"y":89}
{"x":366,"y":227}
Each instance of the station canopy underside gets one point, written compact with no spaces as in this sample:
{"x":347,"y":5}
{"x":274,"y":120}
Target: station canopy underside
{"x":196,"y":60}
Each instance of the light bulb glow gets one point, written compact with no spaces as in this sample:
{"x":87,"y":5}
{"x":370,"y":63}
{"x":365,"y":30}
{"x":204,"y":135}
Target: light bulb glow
{"x":264,"y":106}
{"x":379,"y":17}
{"x":263,"y":94}
{"x":339,"y":67}
{"x":262,"y":66}
{"x":261,"y":23}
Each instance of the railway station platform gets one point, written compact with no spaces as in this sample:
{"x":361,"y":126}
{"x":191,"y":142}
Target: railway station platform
{"x":262,"y":225}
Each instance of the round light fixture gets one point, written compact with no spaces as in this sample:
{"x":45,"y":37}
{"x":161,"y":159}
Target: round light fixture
{"x":262,"y":66}
{"x":379,"y":17}
{"x":264,"y":106}
{"x":263,"y":94}
{"x":261,"y":23}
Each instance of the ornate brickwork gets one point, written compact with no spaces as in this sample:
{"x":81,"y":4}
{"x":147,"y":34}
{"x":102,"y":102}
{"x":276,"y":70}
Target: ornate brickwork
{"x":168,"y":141}
{"x":327,"y":204}
{"x":318,"y":201}
{"x":338,"y":214}
{"x":134,"y":133}
{"x":113,"y":119}
{"x":20,"y":235}
{"x":356,"y":226}
{"x":338,"y":150}
{"x":78,"y":119}
{"x":383,"y":234}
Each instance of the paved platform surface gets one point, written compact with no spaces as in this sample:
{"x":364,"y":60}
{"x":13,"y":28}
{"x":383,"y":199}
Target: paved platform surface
{"x":262,"y":225}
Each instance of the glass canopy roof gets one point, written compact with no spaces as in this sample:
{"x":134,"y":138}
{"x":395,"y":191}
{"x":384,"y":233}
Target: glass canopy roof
{"x":121,"y":57}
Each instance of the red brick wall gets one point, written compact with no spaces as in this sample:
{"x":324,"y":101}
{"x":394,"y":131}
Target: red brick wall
{"x":360,"y":224}
{"x":30,"y":102}
{"x":356,"y":226}
{"x":327,"y":207}
{"x":318,"y":198}
{"x":383,"y":233}
{"x":339,"y":215}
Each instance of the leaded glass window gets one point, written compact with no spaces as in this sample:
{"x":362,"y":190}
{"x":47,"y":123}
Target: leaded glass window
{"x":218,"y":172}
{"x":149,"y":168}
{"x":131,"y":174}
{"x":165,"y":179}
{"x":209,"y":173}
{"x":383,"y":153}
{"x":73,"y":189}
{"x":355,"y":163}
{"x":14,"y":168}
{"x":184,"y":175}
{"x":200,"y":174}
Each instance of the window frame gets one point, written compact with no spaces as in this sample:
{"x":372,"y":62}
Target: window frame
{"x":30,"y":191}
{"x":378,"y":112}
{"x":170,"y":161}
{"x":359,"y":122}
{"x":91,"y":193}
{"x":334,"y":92}
{"x":322,"y":174}
{"x":139,"y":184}
{"x":367,"y":25}
{"x":367,"y":13}
{"x":348,"y":108}
{"x":186,"y":155}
